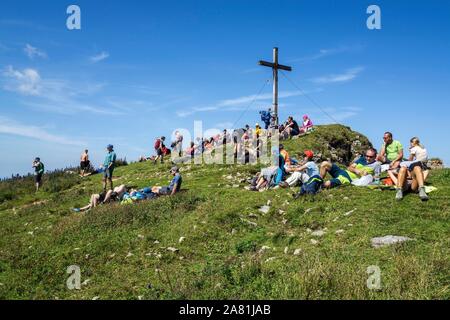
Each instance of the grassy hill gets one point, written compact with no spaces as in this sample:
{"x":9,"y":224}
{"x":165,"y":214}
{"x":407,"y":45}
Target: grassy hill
{"x":231,"y":250}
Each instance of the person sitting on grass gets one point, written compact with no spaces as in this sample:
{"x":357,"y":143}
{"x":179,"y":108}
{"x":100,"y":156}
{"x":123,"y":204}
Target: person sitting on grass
{"x":416,"y":168}
{"x":104,"y":197}
{"x":271,"y":176}
{"x":391,"y":152}
{"x":291,"y":128}
{"x":307,"y":125}
{"x":301,"y":173}
{"x":175,"y":184}
{"x":340,"y":176}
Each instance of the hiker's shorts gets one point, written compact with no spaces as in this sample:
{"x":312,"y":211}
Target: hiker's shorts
{"x":412,"y":164}
{"x":38,"y":178}
{"x":339,"y":181}
{"x":108,"y":174}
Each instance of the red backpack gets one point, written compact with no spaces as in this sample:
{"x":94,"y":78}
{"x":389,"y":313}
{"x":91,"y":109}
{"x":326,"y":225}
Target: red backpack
{"x":157,"y":143}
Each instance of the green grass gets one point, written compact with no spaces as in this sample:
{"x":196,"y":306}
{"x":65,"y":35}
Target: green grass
{"x":221,"y":256}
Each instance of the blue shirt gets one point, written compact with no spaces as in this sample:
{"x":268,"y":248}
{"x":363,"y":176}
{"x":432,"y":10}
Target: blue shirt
{"x":312,"y":169}
{"x":176,"y":180}
{"x":110,"y":159}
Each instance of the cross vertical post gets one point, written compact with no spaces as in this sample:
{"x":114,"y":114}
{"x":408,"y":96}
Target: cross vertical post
{"x":275,"y":66}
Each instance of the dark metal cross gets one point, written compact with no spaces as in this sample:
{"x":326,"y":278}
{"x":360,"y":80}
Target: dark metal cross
{"x":275,"y":66}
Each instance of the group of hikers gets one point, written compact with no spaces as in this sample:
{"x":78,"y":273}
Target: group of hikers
{"x":246,"y":141}
{"x":407,"y":175}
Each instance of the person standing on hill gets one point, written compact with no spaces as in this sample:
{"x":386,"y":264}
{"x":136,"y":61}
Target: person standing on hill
{"x":159,"y":147}
{"x":38,"y":172}
{"x":109,"y":164}
{"x":84,"y":162}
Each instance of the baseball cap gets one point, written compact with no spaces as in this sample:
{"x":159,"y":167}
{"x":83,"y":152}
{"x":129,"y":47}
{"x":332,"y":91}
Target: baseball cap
{"x":109,"y":146}
{"x":309,"y":153}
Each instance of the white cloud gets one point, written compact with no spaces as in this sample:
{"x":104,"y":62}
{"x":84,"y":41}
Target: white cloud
{"x":348,"y":75}
{"x":55,"y":95}
{"x":8,"y":126}
{"x":27,"y":81}
{"x":236,"y":103}
{"x":99,"y":57}
{"x":33,"y":52}
{"x":328,"y":52}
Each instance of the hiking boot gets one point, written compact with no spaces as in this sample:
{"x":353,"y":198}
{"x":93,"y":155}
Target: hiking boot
{"x":422,"y":194}
{"x":399,"y":195}
{"x":283,"y":184}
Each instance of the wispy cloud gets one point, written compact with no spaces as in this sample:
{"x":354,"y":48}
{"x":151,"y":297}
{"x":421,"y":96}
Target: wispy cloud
{"x":236,"y":103}
{"x":327,"y":53}
{"x":33,"y":52}
{"x":54,"y":95}
{"x":9,"y":126}
{"x":26,"y":81}
{"x":348,"y":75}
{"x":99,"y":57}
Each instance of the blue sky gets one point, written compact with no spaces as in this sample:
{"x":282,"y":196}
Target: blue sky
{"x":139,"y":69}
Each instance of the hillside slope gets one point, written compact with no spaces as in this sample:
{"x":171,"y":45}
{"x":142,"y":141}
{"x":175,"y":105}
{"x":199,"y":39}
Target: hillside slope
{"x":231,"y":250}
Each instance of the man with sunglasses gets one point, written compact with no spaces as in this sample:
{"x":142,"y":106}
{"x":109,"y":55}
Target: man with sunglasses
{"x":365,"y":169}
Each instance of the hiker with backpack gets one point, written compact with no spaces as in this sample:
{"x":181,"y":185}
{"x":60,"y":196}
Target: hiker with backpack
{"x":266,"y":117}
{"x":416,"y":168}
{"x":159,"y":149}
{"x":109,"y":165}
{"x":38,"y":167}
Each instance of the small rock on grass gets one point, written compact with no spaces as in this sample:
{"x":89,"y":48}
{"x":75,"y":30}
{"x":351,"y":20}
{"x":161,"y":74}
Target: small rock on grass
{"x":264,"y":209}
{"x":339,"y":231}
{"x":129,"y":254}
{"x":171,"y":249}
{"x":297,"y":252}
{"x":181,"y":239}
{"x":388,"y":240}
{"x":264,"y":248}
{"x":318,"y":233}
{"x":349,"y":213}
{"x":314,"y":242}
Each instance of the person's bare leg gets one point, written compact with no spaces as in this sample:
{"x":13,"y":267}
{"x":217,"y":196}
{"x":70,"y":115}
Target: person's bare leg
{"x":393,"y":177}
{"x":401,"y":183}
{"x":418,"y":176}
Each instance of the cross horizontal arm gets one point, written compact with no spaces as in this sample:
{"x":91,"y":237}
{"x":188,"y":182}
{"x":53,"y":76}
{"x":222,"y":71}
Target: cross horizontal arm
{"x":272,"y":65}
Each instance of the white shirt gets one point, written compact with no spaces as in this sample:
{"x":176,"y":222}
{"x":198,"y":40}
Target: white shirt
{"x":420,"y":154}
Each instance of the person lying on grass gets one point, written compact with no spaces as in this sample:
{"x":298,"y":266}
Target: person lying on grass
{"x":104,"y":197}
{"x":175,"y":184}
{"x":366,"y":169}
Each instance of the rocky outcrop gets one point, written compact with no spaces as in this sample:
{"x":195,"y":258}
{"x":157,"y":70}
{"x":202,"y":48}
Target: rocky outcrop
{"x":336,"y":143}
